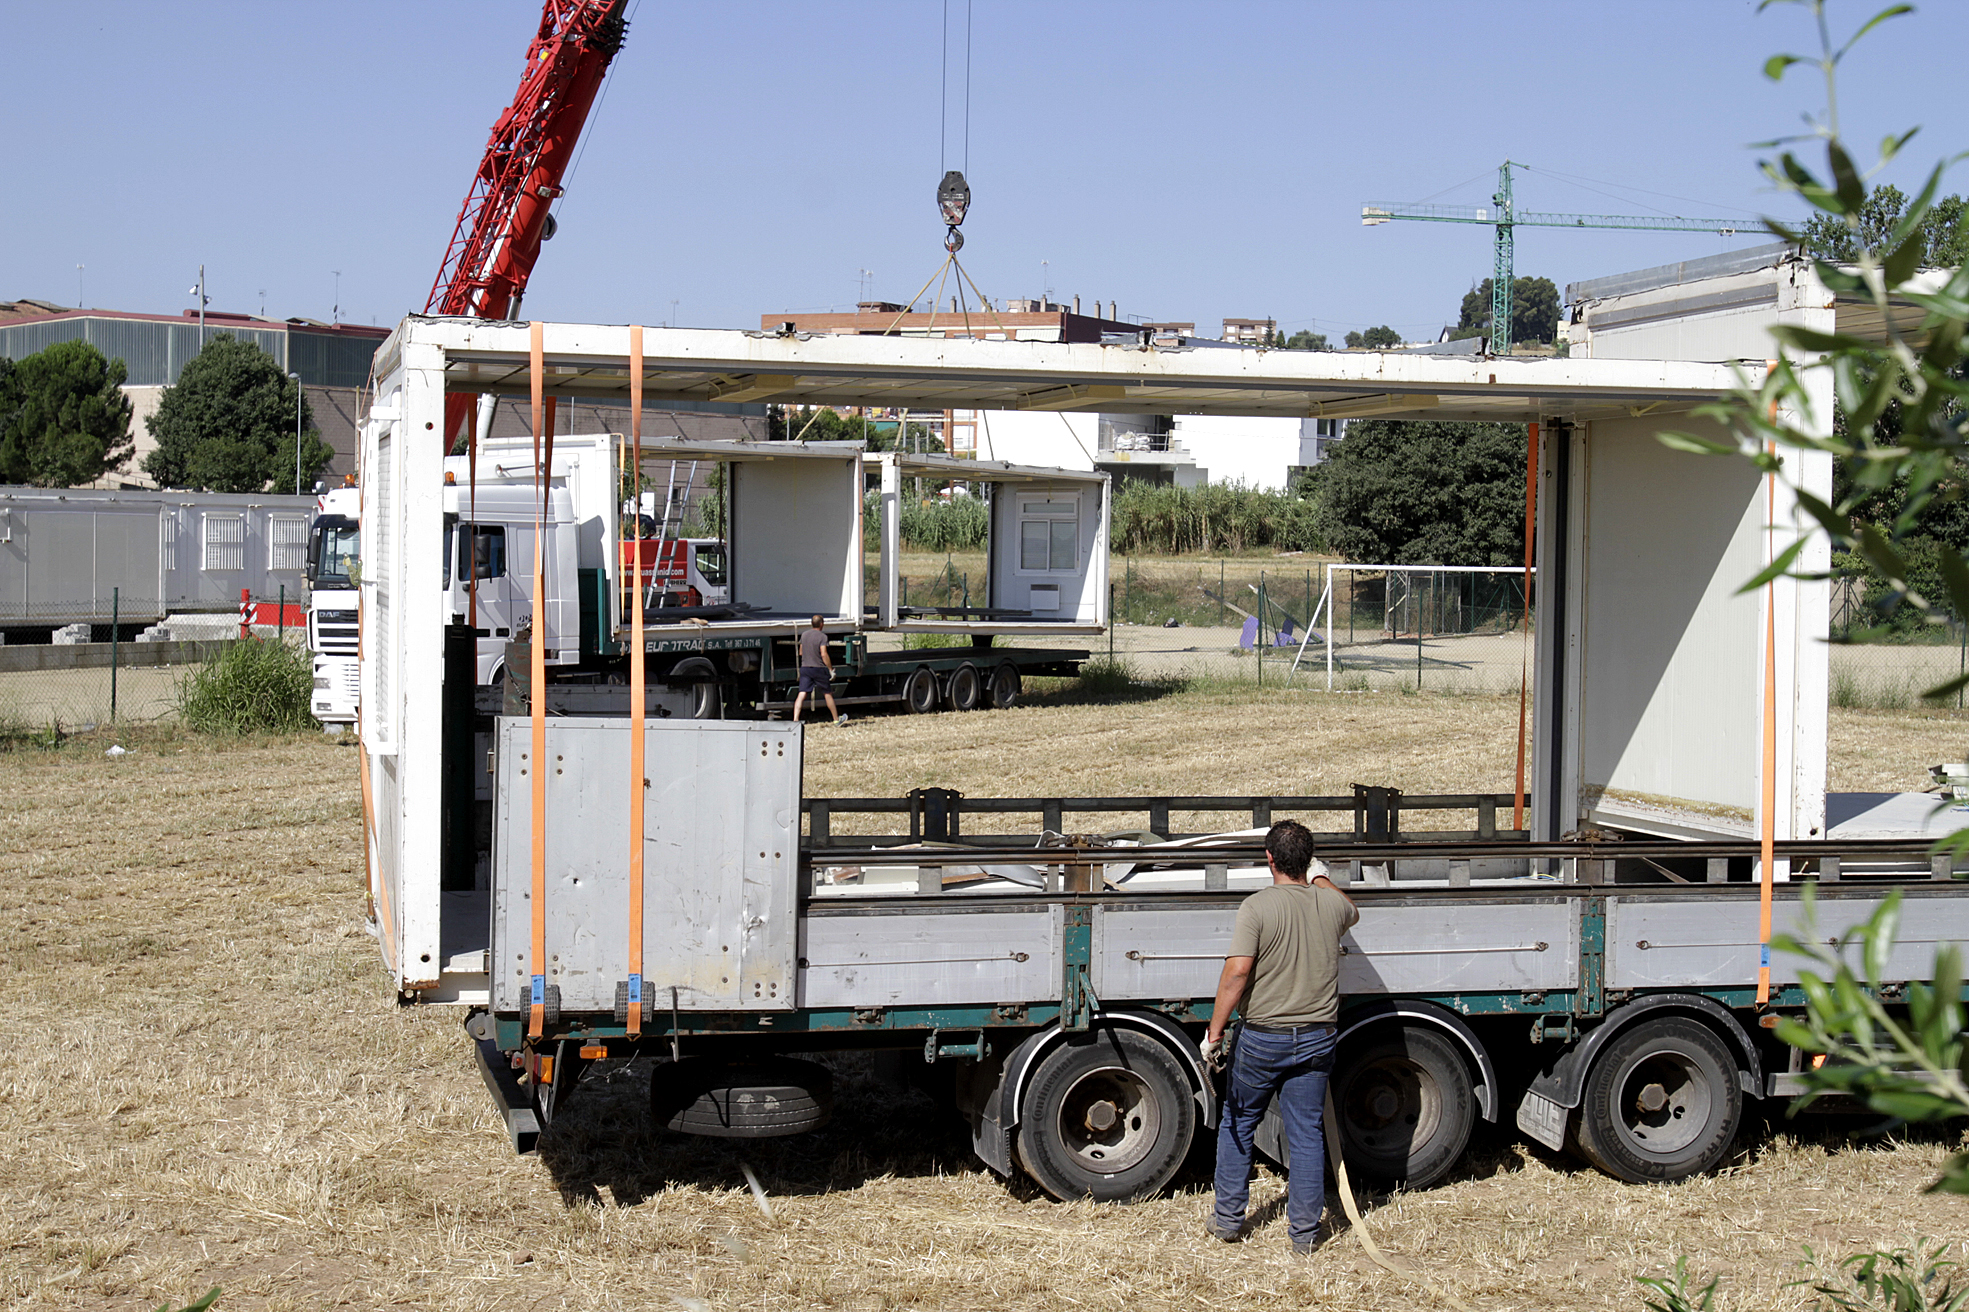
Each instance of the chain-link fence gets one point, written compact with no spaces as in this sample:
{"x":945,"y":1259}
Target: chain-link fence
{"x":80,"y":685}
{"x":1342,"y":626}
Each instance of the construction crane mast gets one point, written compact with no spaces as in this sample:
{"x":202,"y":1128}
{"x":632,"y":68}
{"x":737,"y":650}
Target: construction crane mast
{"x":506,"y":214}
{"x":1506,"y":218}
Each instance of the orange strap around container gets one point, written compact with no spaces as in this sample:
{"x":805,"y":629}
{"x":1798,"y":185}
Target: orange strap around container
{"x":1524,"y":659}
{"x":1767,"y":838}
{"x":636,"y":687}
{"x":537,"y":699}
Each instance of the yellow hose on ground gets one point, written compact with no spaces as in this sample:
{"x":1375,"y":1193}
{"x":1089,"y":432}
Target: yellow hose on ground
{"x":1359,"y":1222}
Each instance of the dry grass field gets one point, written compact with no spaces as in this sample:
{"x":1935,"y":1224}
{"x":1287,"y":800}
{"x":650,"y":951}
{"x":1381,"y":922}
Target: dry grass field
{"x":212,"y":1084}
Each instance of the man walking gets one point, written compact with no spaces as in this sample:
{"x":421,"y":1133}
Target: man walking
{"x":1284,"y":968}
{"x":816,"y":672}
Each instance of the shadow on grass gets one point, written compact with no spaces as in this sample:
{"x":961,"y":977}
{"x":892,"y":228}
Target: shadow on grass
{"x":604,"y":1148}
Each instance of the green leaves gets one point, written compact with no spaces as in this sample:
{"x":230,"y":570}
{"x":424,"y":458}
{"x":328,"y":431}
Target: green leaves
{"x":1907,"y":1066}
{"x":64,"y":421}
{"x":229,"y":424}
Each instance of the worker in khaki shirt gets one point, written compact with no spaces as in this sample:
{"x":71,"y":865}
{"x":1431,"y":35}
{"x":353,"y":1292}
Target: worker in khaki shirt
{"x":1283,"y":972}
{"x":816,"y":672}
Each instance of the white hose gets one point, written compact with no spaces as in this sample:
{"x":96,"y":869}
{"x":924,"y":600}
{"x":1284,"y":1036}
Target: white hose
{"x":1359,"y":1223}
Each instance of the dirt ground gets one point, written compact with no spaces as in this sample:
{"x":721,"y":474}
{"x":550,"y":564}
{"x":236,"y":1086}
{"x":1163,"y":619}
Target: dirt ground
{"x":213,"y":1085}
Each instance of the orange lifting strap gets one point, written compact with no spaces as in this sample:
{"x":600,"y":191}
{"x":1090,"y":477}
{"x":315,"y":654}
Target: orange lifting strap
{"x":537,"y":701}
{"x":1524,"y":660}
{"x":636,"y":686}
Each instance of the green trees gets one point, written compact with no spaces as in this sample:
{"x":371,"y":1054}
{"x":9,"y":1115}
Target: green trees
{"x":1534,"y":311}
{"x":1424,"y":494}
{"x":228,"y":426}
{"x":828,"y":425}
{"x":1943,"y":240}
{"x":64,"y":422}
{"x":1375,"y":339}
{"x":1306,"y":340}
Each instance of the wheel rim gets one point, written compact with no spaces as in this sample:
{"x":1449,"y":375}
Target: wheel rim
{"x":1389,"y":1106}
{"x":1004,"y":686}
{"x":1663,"y":1103}
{"x":1109,"y":1120}
{"x":964,"y":687}
{"x":920,"y":694}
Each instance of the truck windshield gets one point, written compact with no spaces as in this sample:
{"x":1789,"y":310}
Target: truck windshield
{"x":711,"y":563}
{"x":333,"y":543}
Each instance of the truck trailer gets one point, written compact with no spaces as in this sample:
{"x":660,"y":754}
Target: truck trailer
{"x":722,"y":614}
{"x":607,"y":880}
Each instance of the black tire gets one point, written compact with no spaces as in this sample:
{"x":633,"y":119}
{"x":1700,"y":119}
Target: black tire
{"x":1110,"y":1118}
{"x":1406,"y":1104}
{"x":1662,"y":1102}
{"x":919,"y":691}
{"x":707,"y":693}
{"x":1006,"y":686}
{"x":965,"y":689}
{"x":762,"y":1099}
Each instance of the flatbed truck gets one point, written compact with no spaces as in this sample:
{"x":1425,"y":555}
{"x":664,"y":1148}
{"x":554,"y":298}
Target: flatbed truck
{"x":1593,"y":986}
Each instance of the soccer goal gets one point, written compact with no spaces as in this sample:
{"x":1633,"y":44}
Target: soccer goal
{"x":1452,"y":627}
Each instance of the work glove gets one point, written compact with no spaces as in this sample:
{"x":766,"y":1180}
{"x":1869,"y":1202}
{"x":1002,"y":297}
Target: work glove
{"x":1213,"y":1052}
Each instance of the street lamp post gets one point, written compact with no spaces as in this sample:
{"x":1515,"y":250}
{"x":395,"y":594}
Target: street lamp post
{"x":297,"y":432}
{"x":203,"y":301}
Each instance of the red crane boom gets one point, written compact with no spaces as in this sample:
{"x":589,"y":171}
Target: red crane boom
{"x":505,"y":216}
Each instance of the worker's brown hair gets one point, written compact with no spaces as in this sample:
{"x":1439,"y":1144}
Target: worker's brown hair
{"x":816,"y":621}
{"x":1290,"y":845}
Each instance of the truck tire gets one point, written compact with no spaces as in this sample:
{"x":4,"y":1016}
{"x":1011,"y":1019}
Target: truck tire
{"x":1006,"y":686}
{"x":965,"y":689}
{"x":1109,"y":1117}
{"x":741,"y":1100}
{"x":919,"y":691}
{"x":1662,"y":1102}
{"x":1406,"y":1105}
{"x":707,"y":693}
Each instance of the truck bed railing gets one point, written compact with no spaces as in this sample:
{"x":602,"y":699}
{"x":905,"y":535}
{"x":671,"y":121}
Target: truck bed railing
{"x":936,"y":814}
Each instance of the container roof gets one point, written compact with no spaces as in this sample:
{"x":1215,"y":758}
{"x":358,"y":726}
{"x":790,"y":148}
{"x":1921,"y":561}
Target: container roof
{"x":700,"y":365}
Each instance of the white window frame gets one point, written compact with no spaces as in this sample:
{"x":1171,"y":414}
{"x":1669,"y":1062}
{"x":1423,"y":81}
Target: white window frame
{"x":223,"y":540}
{"x":283,"y":555}
{"x":1055,"y":510}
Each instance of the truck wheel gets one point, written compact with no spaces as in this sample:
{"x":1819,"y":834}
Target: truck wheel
{"x":707,"y":694}
{"x":1006,"y":686}
{"x":965,"y":689}
{"x":741,"y":1100}
{"x":1661,"y":1102}
{"x":1109,"y":1118}
{"x":1405,"y":1104}
{"x":919,"y":691}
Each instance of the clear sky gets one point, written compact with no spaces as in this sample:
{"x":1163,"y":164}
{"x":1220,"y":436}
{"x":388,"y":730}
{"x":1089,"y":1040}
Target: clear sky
{"x":1189,"y":161}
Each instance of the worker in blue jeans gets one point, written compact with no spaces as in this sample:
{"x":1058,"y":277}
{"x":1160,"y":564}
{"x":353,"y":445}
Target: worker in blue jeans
{"x":1283,"y":974}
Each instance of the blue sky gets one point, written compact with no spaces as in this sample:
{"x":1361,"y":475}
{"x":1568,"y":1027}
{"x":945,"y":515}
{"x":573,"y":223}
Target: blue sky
{"x":1189,"y":161}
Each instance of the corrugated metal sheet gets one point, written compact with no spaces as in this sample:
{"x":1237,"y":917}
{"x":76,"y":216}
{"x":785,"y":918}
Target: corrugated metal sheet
{"x":156,"y":350}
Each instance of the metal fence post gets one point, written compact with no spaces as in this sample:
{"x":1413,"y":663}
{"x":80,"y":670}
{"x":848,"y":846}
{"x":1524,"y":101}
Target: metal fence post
{"x":1220,"y":594}
{"x":1111,"y":622}
{"x":1260,"y":644}
{"x":283,"y":614}
{"x":115,"y":615}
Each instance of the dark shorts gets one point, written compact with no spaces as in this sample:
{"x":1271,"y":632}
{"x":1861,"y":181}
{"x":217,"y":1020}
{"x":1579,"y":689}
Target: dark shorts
{"x":816,"y":678}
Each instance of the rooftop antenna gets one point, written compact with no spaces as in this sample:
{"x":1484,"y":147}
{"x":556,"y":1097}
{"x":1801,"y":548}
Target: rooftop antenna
{"x":338,"y":296}
{"x":78,"y":286}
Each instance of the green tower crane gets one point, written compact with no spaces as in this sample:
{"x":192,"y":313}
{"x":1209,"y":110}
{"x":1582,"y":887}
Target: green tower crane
{"x":1507,"y":218}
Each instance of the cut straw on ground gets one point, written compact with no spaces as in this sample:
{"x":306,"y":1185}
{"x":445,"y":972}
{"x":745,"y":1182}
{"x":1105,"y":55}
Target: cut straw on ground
{"x":212,"y":1083}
